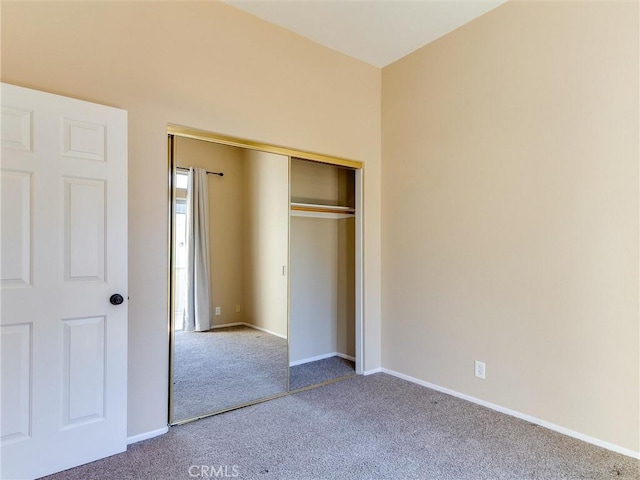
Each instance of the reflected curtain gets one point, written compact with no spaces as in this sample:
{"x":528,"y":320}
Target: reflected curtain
{"x":198,"y":315}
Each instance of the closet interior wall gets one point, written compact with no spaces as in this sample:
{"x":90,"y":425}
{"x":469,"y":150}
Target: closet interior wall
{"x":322,"y":260}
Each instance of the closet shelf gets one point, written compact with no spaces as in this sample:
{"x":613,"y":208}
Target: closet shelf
{"x":321,"y":211}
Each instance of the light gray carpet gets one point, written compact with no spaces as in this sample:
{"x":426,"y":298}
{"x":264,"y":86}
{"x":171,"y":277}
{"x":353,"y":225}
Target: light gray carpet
{"x":225,"y":367}
{"x":375,"y":427}
{"x":319,"y":371}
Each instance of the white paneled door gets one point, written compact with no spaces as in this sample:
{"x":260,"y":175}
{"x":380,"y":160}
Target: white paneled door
{"x":63,"y":255}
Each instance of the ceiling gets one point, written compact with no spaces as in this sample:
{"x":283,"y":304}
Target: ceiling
{"x":374,"y":31}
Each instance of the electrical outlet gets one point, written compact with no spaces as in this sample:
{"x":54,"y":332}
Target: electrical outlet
{"x":237,"y":308}
{"x":479,"y":369}
{"x":217,"y":310}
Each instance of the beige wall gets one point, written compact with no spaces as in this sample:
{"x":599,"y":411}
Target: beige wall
{"x":209,"y":66}
{"x":510,"y":193}
{"x":314,"y":276}
{"x":266,"y":243}
{"x":322,"y":317}
{"x":226,"y":222}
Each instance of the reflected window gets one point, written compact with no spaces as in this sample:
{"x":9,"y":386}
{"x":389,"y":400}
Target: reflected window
{"x":182,"y":180}
{"x":180,"y":249}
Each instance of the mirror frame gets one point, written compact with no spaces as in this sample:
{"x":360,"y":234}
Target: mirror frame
{"x":174,"y":130}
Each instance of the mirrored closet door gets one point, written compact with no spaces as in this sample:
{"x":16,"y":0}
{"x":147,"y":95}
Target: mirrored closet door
{"x":230,"y":229}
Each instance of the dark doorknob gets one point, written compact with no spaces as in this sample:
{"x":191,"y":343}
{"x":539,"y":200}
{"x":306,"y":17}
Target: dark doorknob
{"x":116,"y":299}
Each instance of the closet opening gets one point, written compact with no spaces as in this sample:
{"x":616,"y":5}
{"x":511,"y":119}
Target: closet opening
{"x":322,"y":276}
{"x":265,"y":272}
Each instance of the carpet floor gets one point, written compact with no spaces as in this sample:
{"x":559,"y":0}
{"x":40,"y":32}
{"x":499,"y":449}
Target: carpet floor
{"x":225,"y":367}
{"x":374,"y":427}
{"x":231,"y":366}
{"x":319,"y":371}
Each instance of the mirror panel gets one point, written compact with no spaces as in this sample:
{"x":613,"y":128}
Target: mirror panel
{"x":243,"y":356}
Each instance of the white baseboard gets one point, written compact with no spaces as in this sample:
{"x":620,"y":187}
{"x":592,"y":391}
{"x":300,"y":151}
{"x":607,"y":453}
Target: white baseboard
{"x":225,"y":325}
{"x":265,"y":330}
{"x":513,"y":413}
{"x":371,"y":372}
{"x":321,"y":357}
{"x":147,"y":435}
{"x":345,"y":356}
{"x":243,"y":324}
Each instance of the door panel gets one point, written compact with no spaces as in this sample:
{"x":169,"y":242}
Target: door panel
{"x":84,"y":214}
{"x":84,"y":364}
{"x":64,"y":253}
{"x":15,"y":341}
{"x":17,"y":126}
{"x":16,"y":241}
{"x":84,"y":140}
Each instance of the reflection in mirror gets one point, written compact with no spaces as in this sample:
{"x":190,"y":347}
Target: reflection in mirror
{"x":322,"y":256}
{"x":230,"y":250}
